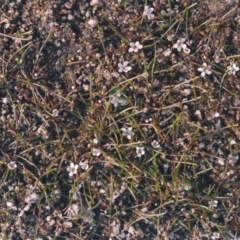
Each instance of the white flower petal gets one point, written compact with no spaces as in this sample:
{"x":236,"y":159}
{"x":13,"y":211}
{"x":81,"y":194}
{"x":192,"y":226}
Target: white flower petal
{"x":203,"y":74}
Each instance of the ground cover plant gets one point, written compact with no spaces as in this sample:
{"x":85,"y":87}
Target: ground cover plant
{"x":119,"y":119}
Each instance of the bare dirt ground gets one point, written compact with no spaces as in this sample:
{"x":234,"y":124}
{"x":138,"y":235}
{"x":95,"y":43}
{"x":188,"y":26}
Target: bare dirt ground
{"x":119,"y":119}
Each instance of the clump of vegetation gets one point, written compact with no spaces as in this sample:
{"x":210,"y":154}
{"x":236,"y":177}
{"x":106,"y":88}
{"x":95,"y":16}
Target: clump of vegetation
{"x":119,"y":120}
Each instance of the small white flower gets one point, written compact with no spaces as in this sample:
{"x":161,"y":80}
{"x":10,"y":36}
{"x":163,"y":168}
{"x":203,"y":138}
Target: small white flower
{"x":180,"y":44}
{"x":12,"y":165}
{"x":123,"y":67}
{"x":95,"y":141}
{"x":165,"y":167}
{"x":72,"y":169}
{"x":140,"y":151}
{"x":55,"y":112}
{"x":215,"y":235}
{"x":5,"y":100}
{"x":10,"y":204}
{"x":232,"y":142}
{"x":84,"y":165}
{"x":232,"y":69}
{"x":155,"y":144}
{"x":127,"y":132}
{"x":134,"y":47}
{"x":116,"y":99}
{"x":96,"y":152}
{"x":148,"y":12}
{"x":205,"y":70}
{"x":216,"y":114}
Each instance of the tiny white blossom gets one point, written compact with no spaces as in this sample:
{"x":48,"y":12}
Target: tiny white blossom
{"x":216,"y":114}
{"x":155,"y":144}
{"x":232,"y":69}
{"x":5,"y":100}
{"x":115,"y":196}
{"x":95,"y":141}
{"x":55,"y":113}
{"x":84,"y":165}
{"x":205,"y":70}
{"x":67,"y":224}
{"x":232,"y":142}
{"x":213,"y":203}
{"x":180,"y":44}
{"x":123,"y":67}
{"x":72,"y":169}
{"x":127,"y":132}
{"x":134,"y":47}
{"x":115,"y":99}
{"x":165,"y":167}
{"x":96,"y":152}
{"x":10,"y":204}
{"x":148,"y":12}
{"x":215,"y":235}
{"x":12,"y":165}
{"x":140,"y":151}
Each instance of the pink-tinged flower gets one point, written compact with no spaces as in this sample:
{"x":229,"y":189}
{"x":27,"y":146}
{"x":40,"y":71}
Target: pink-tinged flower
{"x":127,"y":132}
{"x":96,"y":152}
{"x":84,"y":165}
{"x":140,"y":151}
{"x":116,"y":99}
{"x":206,"y":69}
{"x":123,"y":67}
{"x":134,"y":47}
{"x":72,"y":169}
{"x":155,"y":144}
{"x":12,"y":165}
